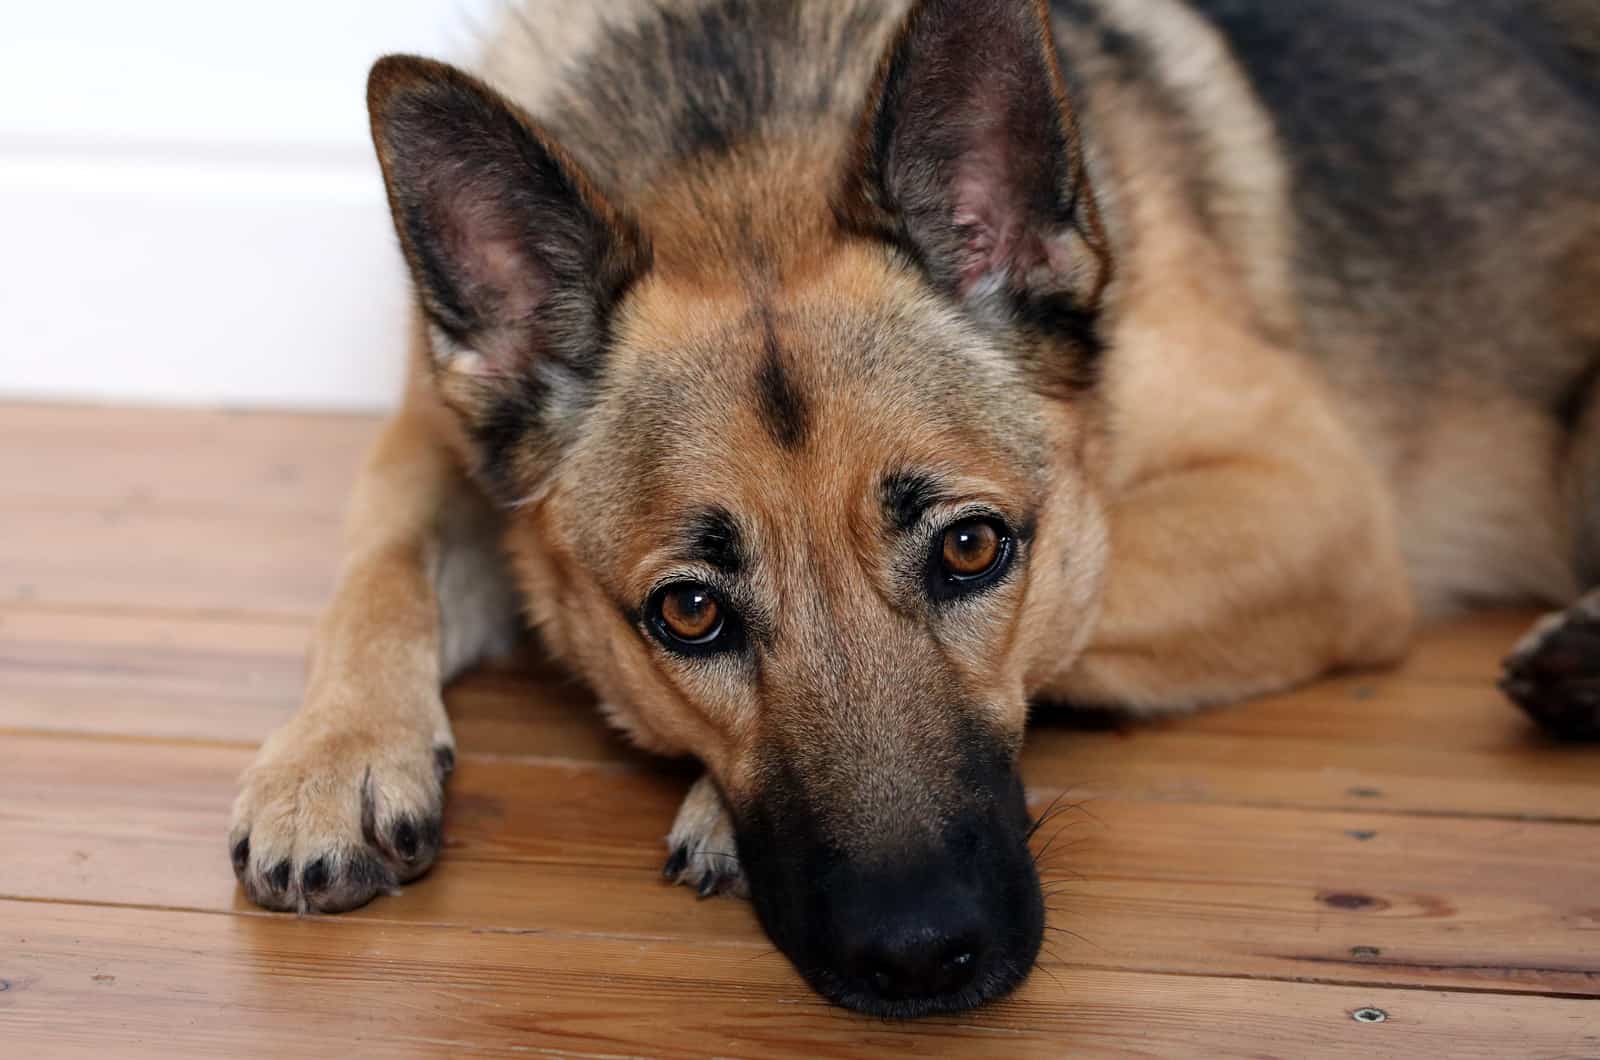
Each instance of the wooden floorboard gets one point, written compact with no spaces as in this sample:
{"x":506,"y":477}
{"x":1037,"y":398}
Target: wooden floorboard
{"x":1286,"y":893}
{"x":265,"y":986}
{"x":1236,"y":883}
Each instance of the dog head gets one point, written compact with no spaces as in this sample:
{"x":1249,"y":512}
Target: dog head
{"x":797,"y":451}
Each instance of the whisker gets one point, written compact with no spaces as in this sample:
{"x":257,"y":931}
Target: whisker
{"x":1056,"y":957}
{"x":1045,"y":865}
{"x":1061,"y":878}
{"x":1049,"y":811}
{"x":1047,"y":845}
{"x":1068,"y":931}
{"x":1083,"y":808}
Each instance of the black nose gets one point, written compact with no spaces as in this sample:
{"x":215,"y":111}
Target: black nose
{"x":912,"y":958}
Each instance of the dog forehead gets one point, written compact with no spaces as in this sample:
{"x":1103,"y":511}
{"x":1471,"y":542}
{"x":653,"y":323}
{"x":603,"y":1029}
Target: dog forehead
{"x":856,"y":355}
{"x":788,"y":405}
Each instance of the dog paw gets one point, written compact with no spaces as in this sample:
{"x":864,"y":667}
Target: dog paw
{"x":325,"y":820}
{"x":1554,"y":672}
{"x":702,"y":852}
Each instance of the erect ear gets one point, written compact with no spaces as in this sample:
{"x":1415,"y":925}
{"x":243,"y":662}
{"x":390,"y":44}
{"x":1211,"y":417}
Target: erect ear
{"x":517,"y":258}
{"x":968,"y":154}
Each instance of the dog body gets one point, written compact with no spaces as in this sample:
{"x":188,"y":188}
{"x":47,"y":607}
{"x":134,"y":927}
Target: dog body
{"x":827,"y":382}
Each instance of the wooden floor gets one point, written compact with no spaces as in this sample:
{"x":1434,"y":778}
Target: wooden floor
{"x":1387,"y":864}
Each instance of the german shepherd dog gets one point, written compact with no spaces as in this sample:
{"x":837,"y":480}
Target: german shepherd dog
{"x":829,"y":381}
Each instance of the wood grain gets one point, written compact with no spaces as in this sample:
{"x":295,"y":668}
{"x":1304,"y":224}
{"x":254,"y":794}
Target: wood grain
{"x":1236,"y":883}
{"x":532,"y":846}
{"x":183,"y":984}
{"x":197,"y":511}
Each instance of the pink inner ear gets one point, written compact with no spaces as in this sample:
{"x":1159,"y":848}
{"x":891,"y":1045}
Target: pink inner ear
{"x":506,"y":269}
{"x":988,"y":208}
{"x":493,"y":259}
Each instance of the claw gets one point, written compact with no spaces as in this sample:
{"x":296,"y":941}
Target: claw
{"x":241,"y":856}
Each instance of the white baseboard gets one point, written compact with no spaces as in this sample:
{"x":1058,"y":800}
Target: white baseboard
{"x":189,"y":209}
{"x":234,"y":281}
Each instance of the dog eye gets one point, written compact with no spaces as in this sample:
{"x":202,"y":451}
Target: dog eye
{"x":970,"y":548}
{"x":687,"y":617}
{"x":969,"y":556}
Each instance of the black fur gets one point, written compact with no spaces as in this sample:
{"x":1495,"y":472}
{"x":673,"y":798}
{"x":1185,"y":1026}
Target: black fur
{"x":784,"y":408}
{"x":1063,"y":320}
{"x":405,"y":839}
{"x":1572,"y":407}
{"x":713,"y":539}
{"x":906,"y":495}
{"x":681,"y":84}
{"x":365,"y":874}
{"x":315,"y":877}
{"x":876,"y":931}
{"x":1557,"y":679}
{"x":444,"y":761}
{"x":510,"y":421}
{"x":1428,"y":144}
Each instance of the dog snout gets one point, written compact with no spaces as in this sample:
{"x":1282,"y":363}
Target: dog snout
{"x":922,"y":951}
{"x":929,"y":934}
{"x":903,"y":905}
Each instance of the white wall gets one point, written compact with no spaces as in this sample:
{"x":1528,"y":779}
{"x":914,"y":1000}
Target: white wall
{"x":189,"y":208}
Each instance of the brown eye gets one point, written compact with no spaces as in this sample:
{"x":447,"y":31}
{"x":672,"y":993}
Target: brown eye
{"x":690,"y":613}
{"x":969,"y":557}
{"x":971,"y":548}
{"x":688,"y":618}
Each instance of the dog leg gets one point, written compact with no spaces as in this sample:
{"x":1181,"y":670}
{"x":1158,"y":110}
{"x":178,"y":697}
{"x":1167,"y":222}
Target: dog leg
{"x":702,"y":851}
{"x":344,"y":801}
{"x":1238,"y":579}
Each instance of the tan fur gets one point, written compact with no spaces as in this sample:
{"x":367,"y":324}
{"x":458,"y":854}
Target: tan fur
{"x":1224,"y":517}
{"x":367,"y":741}
{"x":1241,"y":504}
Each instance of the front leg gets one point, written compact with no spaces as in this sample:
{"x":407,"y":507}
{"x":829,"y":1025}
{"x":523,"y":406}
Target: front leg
{"x":1239,"y":578}
{"x":702,"y":850}
{"x":345,"y":800}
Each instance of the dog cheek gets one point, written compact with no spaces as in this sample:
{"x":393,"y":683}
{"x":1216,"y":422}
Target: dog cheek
{"x":631,"y":724}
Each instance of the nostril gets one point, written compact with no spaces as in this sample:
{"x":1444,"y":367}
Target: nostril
{"x":926,"y":967}
{"x":958,"y":962}
{"x":957,"y":969}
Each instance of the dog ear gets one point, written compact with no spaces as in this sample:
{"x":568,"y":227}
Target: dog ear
{"x":517,"y":259}
{"x":968,"y":156}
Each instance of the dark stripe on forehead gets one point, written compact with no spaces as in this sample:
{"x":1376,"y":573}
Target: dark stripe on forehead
{"x":713,"y":539}
{"x":906,"y":495}
{"x":784,"y":408}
